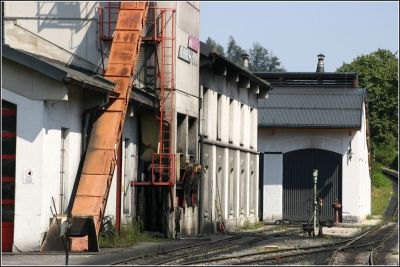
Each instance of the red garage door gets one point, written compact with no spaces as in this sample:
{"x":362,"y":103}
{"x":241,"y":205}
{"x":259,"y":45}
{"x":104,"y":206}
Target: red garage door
{"x":8,"y":134}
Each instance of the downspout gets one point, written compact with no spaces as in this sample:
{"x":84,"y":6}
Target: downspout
{"x":201,"y":181}
{"x":118,"y":200}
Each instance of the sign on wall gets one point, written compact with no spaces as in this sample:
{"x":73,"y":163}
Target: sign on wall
{"x":27,"y":177}
{"x":194,"y":43}
{"x":187,"y":55}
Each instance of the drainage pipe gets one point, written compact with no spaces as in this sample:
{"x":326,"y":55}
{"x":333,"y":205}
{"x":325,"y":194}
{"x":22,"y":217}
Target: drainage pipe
{"x":201,"y":180}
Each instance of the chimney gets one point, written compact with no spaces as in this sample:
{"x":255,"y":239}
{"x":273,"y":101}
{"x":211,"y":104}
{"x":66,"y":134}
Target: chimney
{"x":320,"y":66}
{"x":245,"y":58}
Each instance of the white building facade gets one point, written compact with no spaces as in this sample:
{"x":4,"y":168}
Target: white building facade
{"x":308,"y":127}
{"x":229,"y":194}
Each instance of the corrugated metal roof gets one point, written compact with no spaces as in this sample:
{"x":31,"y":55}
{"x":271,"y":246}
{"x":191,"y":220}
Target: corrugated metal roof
{"x":311,"y":108}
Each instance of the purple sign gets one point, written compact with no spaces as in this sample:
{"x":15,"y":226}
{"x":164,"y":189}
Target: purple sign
{"x":194,"y":43}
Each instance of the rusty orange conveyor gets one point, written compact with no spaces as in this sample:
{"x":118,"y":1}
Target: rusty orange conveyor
{"x":101,"y":157}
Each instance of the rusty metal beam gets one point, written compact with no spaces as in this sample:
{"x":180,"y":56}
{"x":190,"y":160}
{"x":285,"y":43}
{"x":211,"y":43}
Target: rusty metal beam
{"x":102,"y":153}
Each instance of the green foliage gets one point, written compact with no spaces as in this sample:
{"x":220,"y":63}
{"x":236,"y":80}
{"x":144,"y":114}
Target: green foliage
{"x":247,"y":225}
{"x":381,"y":190}
{"x":378,"y":73}
{"x":129,"y":235}
{"x":379,"y":180}
{"x":234,"y":52}
{"x":215,"y":47}
{"x":262,"y":60}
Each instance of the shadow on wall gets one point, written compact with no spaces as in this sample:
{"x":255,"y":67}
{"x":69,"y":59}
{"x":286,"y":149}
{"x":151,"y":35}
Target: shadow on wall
{"x":77,"y":17}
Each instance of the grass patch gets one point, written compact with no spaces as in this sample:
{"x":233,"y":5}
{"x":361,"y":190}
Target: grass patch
{"x":130,"y":234}
{"x":381,"y":190}
{"x":247,"y":225}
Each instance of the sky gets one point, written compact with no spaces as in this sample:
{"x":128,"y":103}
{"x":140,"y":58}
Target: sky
{"x":296,"y":32}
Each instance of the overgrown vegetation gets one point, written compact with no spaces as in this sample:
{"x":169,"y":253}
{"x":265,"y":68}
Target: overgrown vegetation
{"x":130,"y":234}
{"x":247,"y":225}
{"x":381,"y":190}
{"x":378,"y":73}
{"x":260,"y":59}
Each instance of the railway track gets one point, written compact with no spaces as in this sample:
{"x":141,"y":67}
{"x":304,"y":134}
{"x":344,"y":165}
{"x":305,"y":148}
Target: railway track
{"x":394,"y":176}
{"x":367,"y":240}
{"x":205,"y":248}
{"x":224,"y":251}
{"x":352,"y":253}
{"x":387,"y":229}
{"x":275,"y":253}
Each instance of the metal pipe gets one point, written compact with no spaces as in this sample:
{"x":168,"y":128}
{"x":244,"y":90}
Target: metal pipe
{"x":118,"y":200}
{"x":201,"y":152}
{"x":315,"y":204}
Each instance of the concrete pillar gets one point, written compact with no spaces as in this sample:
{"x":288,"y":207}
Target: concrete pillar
{"x":213,"y":177}
{"x":226,"y":183}
{"x":248,"y":184}
{"x":237,"y":195}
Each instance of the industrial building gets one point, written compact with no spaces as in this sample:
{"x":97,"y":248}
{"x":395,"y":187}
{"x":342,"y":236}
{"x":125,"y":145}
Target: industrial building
{"x":229,"y":141}
{"x":314,"y":120}
{"x":97,"y":169}
{"x":73,"y":74}
{"x":117,"y":109}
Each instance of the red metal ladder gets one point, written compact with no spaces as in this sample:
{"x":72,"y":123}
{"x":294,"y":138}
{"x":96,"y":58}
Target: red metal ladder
{"x":163,"y":162}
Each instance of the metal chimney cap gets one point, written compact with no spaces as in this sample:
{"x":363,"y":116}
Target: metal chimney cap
{"x":321,"y":63}
{"x":245,"y":58}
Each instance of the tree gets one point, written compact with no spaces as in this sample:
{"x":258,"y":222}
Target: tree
{"x":215,"y":47}
{"x":378,"y":73}
{"x":234,"y":52}
{"x":261,"y":60}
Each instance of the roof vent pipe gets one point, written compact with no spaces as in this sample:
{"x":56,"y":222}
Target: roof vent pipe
{"x":320,"y":66}
{"x":245,"y":58}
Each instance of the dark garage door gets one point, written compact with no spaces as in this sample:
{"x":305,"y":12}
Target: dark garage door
{"x":298,"y":167}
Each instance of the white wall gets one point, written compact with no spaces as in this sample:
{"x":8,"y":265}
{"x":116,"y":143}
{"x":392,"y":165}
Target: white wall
{"x":66,"y":31}
{"x":230,"y":123}
{"x":38,"y":148}
{"x":272,"y":189}
{"x":356,"y":185}
{"x":29,"y":145}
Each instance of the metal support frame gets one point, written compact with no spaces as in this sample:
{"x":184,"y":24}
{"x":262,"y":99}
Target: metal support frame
{"x":163,"y":172}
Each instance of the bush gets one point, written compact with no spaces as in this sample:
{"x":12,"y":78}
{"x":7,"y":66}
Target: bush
{"x":129,"y":235}
{"x":381,"y":190}
{"x":386,"y":153}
